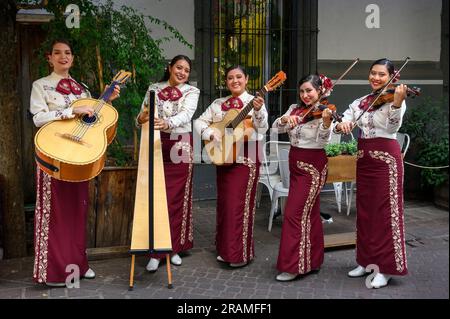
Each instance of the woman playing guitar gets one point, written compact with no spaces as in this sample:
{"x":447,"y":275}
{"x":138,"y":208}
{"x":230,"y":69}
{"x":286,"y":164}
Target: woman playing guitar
{"x":61,"y":207}
{"x":236,"y":183}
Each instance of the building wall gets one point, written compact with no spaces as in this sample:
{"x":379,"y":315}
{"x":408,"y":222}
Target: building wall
{"x":407,"y":27}
{"x":178,"y":13}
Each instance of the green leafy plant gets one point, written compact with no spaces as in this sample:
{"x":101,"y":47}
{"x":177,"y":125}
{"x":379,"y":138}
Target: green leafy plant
{"x":333,"y":149}
{"x":110,"y":39}
{"x":427,"y":125}
{"x":343,"y":148}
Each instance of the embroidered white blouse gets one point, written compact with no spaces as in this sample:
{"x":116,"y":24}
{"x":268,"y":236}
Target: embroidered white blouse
{"x":46,"y":104}
{"x":383,"y":122}
{"x":215,"y":114}
{"x":311,"y":135}
{"x":178,"y":114}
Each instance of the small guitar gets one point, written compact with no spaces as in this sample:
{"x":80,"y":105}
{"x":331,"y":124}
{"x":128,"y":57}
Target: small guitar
{"x":75,"y":150}
{"x":233,"y":129}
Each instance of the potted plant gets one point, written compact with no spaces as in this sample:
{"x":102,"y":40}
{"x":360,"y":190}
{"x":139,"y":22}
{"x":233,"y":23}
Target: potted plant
{"x":341,"y":161}
{"x":427,"y":125}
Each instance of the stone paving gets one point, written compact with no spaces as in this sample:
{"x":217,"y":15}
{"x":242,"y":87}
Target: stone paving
{"x":202,"y":277}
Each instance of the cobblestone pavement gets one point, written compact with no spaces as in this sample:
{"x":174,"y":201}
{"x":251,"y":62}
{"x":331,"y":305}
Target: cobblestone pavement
{"x":201,"y":276}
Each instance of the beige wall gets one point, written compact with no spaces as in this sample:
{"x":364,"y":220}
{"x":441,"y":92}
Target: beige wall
{"x":407,"y":28}
{"x":178,"y":13}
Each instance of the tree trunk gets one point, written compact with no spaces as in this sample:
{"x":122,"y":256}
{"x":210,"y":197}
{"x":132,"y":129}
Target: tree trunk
{"x":11,"y":192}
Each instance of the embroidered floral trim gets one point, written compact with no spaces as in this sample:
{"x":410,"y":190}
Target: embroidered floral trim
{"x":394,"y":201}
{"x":359,"y":154}
{"x":305,"y":239}
{"x":251,"y":180}
{"x":187,"y":200}
{"x":42,"y":227}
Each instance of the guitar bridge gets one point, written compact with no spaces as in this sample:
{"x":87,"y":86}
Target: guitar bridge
{"x":73,"y":138}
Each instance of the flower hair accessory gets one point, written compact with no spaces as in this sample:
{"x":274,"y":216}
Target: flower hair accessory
{"x":326,"y":86}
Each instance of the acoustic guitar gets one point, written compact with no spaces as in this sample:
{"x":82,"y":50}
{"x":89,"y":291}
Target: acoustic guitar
{"x":75,"y":150}
{"x":236,"y":127}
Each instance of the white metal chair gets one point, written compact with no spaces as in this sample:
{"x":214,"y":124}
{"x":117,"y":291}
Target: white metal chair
{"x":281,"y":189}
{"x":269,"y":174}
{"x":403,"y":140}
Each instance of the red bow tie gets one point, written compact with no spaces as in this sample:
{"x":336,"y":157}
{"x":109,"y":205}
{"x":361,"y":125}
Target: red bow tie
{"x":365,"y":103}
{"x":170,"y":93}
{"x":67,"y":86}
{"x":232,"y":103}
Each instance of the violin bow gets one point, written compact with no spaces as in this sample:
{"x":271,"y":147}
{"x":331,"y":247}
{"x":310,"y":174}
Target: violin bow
{"x":383,"y":90}
{"x":333,"y":84}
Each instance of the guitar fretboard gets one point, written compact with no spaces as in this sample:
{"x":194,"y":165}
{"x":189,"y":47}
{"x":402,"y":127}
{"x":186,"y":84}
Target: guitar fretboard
{"x":246,"y":110}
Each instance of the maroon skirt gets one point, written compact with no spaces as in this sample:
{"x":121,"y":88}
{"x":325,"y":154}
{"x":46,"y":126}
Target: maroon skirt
{"x":178,"y":169}
{"x":302,"y":245}
{"x":60,"y":228}
{"x":380,"y":236}
{"x":236,"y":190}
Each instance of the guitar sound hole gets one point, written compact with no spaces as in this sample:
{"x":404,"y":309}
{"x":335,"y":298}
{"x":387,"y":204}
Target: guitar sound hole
{"x":89,"y":120}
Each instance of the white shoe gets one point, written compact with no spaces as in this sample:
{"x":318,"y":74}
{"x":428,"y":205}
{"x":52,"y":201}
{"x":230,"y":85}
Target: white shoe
{"x":152,"y":265}
{"x":220,"y":259}
{"x":285,"y":276}
{"x":357,"y":272}
{"x":237,"y":265}
{"x":90,"y":274}
{"x":56,"y":284}
{"x":380,"y":280}
{"x":176,"y":260}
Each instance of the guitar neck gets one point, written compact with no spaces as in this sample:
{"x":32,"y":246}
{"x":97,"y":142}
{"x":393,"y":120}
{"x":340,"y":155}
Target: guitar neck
{"x":246,"y":109}
{"x":107,"y":94}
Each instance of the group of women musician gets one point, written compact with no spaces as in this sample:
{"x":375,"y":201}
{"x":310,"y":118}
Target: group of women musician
{"x":61,"y":207}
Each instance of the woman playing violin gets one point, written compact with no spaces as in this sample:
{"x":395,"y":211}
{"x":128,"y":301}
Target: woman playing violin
{"x":379,"y":179}
{"x":61,"y":207}
{"x":301,"y":246}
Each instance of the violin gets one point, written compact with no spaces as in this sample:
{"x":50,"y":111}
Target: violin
{"x":388,"y":95}
{"x":307,"y":116}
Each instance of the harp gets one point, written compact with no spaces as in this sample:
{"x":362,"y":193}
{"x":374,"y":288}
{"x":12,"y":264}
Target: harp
{"x":151,"y":230}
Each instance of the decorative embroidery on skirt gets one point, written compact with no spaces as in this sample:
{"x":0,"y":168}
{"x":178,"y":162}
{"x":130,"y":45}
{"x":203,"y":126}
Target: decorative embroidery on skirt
{"x":187,"y":200}
{"x":251,"y":180}
{"x":359,"y":154}
{"x":395,"y":214}
{"x":305,"y":241}
{"x":42,"y":231}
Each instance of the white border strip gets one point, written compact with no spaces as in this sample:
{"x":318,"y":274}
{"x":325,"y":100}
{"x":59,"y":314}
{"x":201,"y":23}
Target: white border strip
{"x":414,"y":82}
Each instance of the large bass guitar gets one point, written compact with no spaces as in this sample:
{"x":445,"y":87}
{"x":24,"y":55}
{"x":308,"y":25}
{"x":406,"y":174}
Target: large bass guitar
{"x":75,"y":150}
{"x":235,"y":128}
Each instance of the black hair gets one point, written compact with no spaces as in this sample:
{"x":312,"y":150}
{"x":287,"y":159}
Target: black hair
{"x":386,"y":62}
{"x":233,"y":67}
{"x":315,"y":81}
{"x":56,"y":41}
{"x":175,"y":59}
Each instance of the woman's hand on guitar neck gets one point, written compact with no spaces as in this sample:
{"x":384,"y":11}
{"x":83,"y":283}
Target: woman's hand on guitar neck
{"x":258,"y":102}
{"x":81,"y":110}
